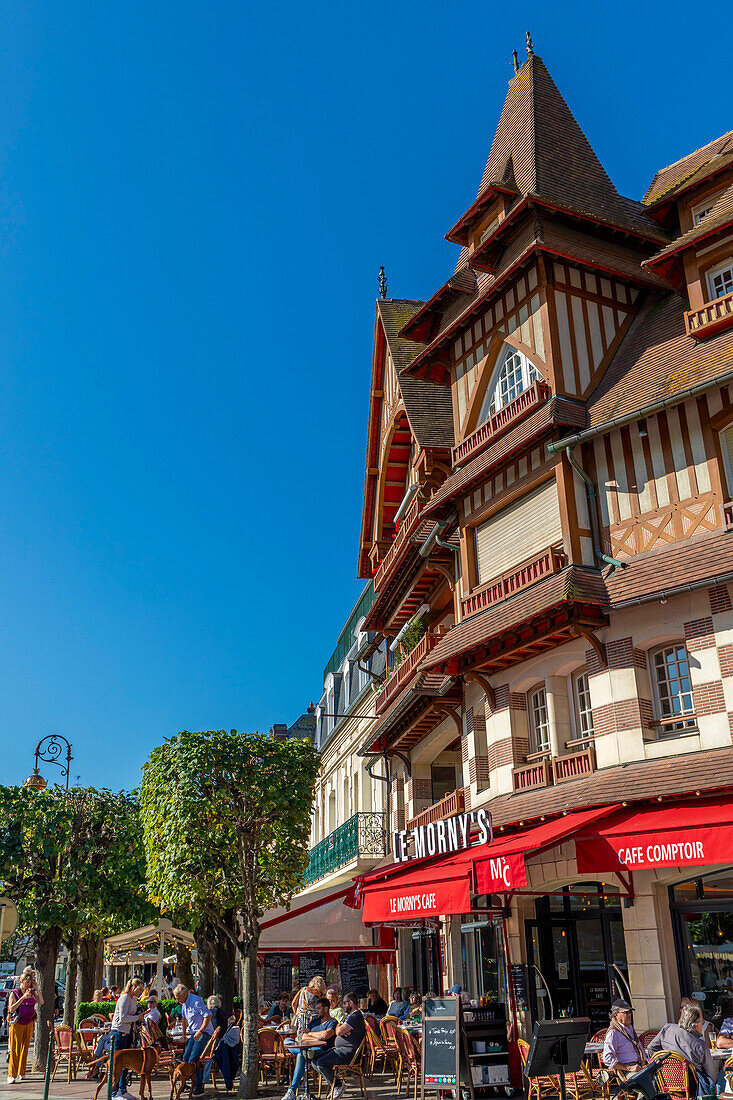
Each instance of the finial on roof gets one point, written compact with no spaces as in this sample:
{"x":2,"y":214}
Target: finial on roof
{"x":515,"y":61}
{"x":530,"y":46}
{"x":382,"y":280}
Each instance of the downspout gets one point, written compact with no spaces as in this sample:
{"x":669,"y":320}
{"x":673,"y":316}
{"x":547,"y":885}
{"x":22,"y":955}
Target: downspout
{"x":592,"y":498}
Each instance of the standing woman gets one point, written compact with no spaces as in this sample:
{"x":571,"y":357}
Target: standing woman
{"x":21,"y":1014}
{"x":125,"y":1015}
{"x":304,"y":1004}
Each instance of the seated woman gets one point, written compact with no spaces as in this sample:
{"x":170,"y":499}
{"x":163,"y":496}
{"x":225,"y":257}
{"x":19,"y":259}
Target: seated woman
{"x":376,"y":1003}
{"x":685,"y":1039}
{"x":622,"y":1050}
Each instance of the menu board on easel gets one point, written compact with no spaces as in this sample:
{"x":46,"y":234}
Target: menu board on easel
{"x":441,"y":1032}
{"x":311,"y":966}
{"x":354,"y":975}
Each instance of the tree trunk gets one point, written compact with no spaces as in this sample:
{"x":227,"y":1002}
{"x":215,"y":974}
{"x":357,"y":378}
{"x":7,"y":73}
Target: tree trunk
{"x":225,"y":979}
{"x":184,"y":972}
{"x":99,"y":965}
{"x":250,"y":1057}
{"x":71,"y":971}
{"x":47,"y":945}
{"x":86,"y":980}
{"x":205,"y":936}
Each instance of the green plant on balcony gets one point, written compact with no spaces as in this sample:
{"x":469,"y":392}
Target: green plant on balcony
{"x":413,"y":636}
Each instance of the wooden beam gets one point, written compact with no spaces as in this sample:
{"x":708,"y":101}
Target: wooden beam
{"x":586,"y":632}
{"x":484,"y":684}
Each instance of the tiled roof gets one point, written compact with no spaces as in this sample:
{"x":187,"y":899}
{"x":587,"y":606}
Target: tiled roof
{"x":657,"y":360}
{"x":669,"y":179}
{"x":719,"y":216}
{"x":429,"y":407}
{"x":674,"y":569}
{"x":539,"y":145}
{"x":617,"y":259}
{"x":558,"y":410}
{"x":709,"y":770}
{"x":575,"y":584}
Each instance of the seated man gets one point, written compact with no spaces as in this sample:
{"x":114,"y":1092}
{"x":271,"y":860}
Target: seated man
{"x":280,"y":1010}
{"x":320,"y":1035}
{"x":686,"y":1040}
{"x":349,"y":1037}
{"x":622,"y":1051}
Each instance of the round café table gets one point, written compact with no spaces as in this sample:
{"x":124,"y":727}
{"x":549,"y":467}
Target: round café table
{"x":305,"y":1047}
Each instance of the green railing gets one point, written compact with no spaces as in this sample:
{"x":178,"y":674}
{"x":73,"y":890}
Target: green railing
{"x":364,"y":834}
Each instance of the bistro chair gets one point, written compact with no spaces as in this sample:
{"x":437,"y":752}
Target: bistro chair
{"x":272,"y":1053}
{"x":88,"y":1034}
{"x":646,"y":1037}
{"x":206,"y":1058}
{"x":410,"y":1058}
{"x":676,"y":1076}
{"x":65,"y":1049}
{"x":599,"y":1036}
{"x":388,"y":1025}
{"x":578,"y":1085}
{"x":376,"y":1051}
{"x":341,"y":1074}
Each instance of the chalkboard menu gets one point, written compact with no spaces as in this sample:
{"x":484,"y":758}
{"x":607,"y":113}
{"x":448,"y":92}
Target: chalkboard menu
{"x":440,"y":1042}
{"x":278,"y":976}
{"x":311,"y":966}
{"x":519,"y":982}
{"x":597,"y":1000}
{"x":354,"y":976}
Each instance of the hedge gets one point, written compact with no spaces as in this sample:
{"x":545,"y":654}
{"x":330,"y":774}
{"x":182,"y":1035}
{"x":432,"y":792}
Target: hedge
{"x":171,"y":1008}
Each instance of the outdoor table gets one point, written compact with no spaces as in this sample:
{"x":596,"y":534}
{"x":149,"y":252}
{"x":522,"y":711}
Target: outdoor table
{"x":305,"y":1047}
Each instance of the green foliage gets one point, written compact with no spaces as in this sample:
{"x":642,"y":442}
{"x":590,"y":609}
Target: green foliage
{"x":414,"y":633}
{"x":171,"y":1008}
{"x":226,"y":820}
{"x":73,"y":860}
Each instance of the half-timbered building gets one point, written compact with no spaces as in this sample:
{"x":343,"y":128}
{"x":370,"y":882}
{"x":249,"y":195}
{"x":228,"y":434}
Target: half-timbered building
{"x":547,"y":524}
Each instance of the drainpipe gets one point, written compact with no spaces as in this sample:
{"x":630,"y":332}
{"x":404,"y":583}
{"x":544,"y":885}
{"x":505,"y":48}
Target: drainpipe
{"x":592,"y":496}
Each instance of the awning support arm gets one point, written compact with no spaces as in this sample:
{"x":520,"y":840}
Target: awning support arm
{"x":483,"y":681}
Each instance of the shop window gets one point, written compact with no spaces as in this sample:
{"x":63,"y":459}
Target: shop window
{"x":702,"y":911}
{"x":720,"y":279}
{"x":514,"y":374}
{"x":482,"y":951}
{"x":673,"y":688}
{"x":539,"y":721}
{"x":581,"y":703}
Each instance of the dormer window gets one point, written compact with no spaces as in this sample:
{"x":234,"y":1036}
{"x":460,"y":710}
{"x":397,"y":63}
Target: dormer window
{"x":514,"y":373}
{"x":720,"y":280}
{"x":703,"y":208}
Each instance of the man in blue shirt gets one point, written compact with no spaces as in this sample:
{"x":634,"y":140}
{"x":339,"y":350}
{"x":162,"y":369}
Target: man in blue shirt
{"x":320,"y":1035}
{"x":197,"y":1030}
{"x":280,"y":1009}
{"x":349,"y":1037}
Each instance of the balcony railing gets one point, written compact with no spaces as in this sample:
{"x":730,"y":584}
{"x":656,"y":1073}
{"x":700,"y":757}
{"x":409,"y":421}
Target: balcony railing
{"x":408,"y":525}
{"x":500,"y":588}
{"x":557,"y":769}
{"x":364,"y":834}
{"x":404,"y":671}
{"x":500,"y":421}
{"x":453,"y":803}
{"x":711,"y":318}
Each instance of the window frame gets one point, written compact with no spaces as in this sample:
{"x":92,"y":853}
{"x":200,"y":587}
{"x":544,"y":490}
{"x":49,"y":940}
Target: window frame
{"x":670,"y":725}
{"x":535,"y":746}
{"x":575,"y":678}
{"x":705,"y":205}
{"x":529,"y":374}
{"x":726,"y":265}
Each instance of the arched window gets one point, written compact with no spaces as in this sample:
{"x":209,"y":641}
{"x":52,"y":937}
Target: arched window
{"x":513,"y":373}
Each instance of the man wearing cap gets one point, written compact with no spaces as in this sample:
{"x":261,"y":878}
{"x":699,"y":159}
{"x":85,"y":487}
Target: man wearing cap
{"x":622,"y":1050}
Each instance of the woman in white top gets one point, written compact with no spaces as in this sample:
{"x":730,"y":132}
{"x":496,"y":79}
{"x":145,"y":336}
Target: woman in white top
{"x":125,"y":1014}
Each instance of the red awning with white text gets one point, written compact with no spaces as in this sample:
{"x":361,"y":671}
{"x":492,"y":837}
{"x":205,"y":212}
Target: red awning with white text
{"x":685,"y":835}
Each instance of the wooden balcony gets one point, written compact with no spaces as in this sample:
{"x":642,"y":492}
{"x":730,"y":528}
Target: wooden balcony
{"x":713,"y":317}
{"x":453,"y":803}
{"x":500,"y":422}
{"x":528,"y":572}
{"x":556,"y":769}
{"x":404,"y":672}
{"x":407,"y":527}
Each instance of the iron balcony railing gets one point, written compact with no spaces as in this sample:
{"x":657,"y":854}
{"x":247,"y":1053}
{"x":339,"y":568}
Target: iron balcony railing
{"x":364,"y":834}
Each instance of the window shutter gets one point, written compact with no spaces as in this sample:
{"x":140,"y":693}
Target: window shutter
{"x":726,"y":444}
{"x":518,"y":532}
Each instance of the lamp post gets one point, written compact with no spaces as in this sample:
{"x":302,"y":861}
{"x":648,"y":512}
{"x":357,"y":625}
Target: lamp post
{"x":49,"y":749}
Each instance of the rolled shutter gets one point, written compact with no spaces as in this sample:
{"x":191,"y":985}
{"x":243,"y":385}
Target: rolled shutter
{"x":525,"y":528}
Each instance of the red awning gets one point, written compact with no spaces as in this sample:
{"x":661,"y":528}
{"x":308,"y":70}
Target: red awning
{"x":440,"y":887}
{"x":685,"y":835}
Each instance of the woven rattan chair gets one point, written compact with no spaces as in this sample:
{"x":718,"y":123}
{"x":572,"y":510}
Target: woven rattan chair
{"x":676,"y":1076}
{"x":272,"y":1053}
{"x":341,"y":1074}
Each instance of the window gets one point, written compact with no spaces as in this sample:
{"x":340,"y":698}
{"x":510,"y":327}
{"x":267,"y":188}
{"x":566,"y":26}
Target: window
{"x":583,"y":711}
{"x":527,"y":527}
{"x":539,"y":722}
{"x":726,"y":447}
{"x":720,"y":279}
{"x":703,"y":208}
{"x":514,"y":374}
{"x":671,"y":673}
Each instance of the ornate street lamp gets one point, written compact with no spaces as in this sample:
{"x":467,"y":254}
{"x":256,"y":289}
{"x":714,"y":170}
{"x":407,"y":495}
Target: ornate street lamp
{"x":49,"y":749}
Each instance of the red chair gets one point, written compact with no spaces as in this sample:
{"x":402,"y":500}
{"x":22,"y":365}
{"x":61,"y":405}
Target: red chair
{"x":676,"y":1076}
{"x":646,"y":1037}
{"x":66,"y":1049}
{"x":272,"y":1053}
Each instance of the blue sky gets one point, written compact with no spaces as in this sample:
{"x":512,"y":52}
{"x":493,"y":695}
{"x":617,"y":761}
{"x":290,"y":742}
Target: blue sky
{"x":195,"y":199}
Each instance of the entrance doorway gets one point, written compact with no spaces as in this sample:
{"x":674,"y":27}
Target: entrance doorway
{"x":427,"y":967}
{"x":577,"y":954}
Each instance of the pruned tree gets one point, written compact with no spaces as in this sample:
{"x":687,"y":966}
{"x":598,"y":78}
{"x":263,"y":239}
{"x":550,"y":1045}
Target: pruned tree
{"x":226,"y":819}
{"x":69,"y":859}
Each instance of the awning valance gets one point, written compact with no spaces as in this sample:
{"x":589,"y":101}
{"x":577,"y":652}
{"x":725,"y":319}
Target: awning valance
{"x":690,"y":834}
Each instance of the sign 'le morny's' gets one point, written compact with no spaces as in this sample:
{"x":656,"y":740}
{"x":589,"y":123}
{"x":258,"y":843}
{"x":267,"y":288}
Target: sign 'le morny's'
{"x":438,"y":838}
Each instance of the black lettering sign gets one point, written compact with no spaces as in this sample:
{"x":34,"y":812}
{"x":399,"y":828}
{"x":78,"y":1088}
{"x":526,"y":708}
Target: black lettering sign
{"x":440,"y":1042}
{"x":519,"y":982}
{"x":278,"y":976}
{"x":311,"y":966}
{"x":353,"y":970}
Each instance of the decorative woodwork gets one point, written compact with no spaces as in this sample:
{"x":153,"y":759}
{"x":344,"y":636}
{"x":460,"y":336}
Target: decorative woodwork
{"x":528,"y":572}
{"x":404,"y":672}
{"x":500,"y":422}
{"x":453,"y":803}
{"x":711,"y":318}
{"x":672,"y":523}
{"x":534,"y":775}
{"x":393,"y":554}
{"x":484,"y":684}
{"x":574,"y":765}
{"x":728,"y":515}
